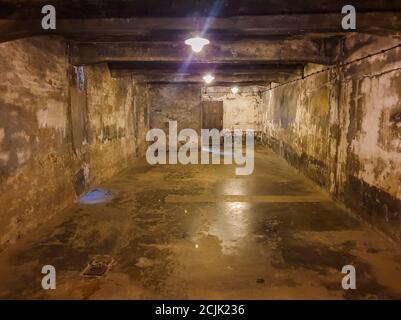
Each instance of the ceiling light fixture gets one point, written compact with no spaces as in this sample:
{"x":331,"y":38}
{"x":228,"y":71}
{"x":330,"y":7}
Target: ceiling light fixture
{"x":234,"y":89}
{"x":197,"y":43}
{"x":208,"y":78}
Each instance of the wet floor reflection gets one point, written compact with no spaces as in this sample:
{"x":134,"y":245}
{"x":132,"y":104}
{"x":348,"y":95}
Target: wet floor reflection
{"x":200,"y":232}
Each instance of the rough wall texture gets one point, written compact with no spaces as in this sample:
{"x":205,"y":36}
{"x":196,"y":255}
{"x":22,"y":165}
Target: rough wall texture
{"x":36,"y":165}
{"x":342,"y":128}
{"x":54,"y":136}
{"x":369,"y":152}
{"x":182,"y":103}
{"x":239,"y":109}
{"x":295,"y":120}
{"x":141,"y":117}
{"x":175,"y":102}
{"x":116,"y":123}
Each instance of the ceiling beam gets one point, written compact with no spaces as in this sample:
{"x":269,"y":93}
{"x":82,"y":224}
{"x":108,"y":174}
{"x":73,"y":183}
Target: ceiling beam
{"x":246,"y":26}
{"x":26,"y":9}
{"x":198,"y":78}
{"x":214,"y":83}
{"x":119,"y":69}
{"x":246,"y":51}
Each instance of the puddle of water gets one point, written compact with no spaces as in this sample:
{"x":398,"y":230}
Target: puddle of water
{"x":96,"y":196}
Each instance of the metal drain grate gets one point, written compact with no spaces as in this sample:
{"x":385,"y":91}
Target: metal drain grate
{"x":98,"y":266}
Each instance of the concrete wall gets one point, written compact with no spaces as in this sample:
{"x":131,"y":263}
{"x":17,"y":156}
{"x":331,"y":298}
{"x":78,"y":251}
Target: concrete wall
{"x":175,"y":102}
{"x":239,"y":109}
{"x":117,"y":122}
{"x":182,"y":103}
{"x":342,"y":128}
{"x":56,"y":139}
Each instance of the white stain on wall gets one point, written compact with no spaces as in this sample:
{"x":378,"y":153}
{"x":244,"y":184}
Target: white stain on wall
{"x":23,"y":156}
{"x":4,"y":157}
{"x":52,"y":116}
{"x":239,"y":110}
{"x":2,"y":134}
{"x":378,"y":97}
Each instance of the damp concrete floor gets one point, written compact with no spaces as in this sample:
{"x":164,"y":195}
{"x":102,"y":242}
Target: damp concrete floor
{"x":201,"y":232}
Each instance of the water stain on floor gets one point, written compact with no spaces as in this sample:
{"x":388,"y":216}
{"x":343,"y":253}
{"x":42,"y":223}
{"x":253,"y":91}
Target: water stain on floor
{"x":271,"y":235}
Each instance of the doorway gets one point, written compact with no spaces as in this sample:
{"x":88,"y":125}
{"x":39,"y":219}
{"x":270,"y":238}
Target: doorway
{"x":212,"y":115}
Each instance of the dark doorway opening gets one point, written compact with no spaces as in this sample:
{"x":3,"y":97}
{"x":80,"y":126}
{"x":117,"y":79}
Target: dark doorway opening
{"x":212,"y":115}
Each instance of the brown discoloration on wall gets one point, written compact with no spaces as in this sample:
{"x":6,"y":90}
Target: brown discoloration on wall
{"x":239,"y":109}
{"x":175,"y":102}
{"x":340,"y":127}
{"x":36,"y":164}
{"x":113,"y":113}
{"x":295,"y":119}
{"x":41,"y":170}
{"x":141,"y":117}
{"x":372,"y":180}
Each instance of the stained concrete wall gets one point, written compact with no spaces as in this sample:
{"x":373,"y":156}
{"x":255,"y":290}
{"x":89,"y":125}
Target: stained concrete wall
{"x":239,"y":110}
{"x":182,"y":103}
{"x":117,"y":122}
{"x":342,"y":128}
{"x":36,"y":164}
{"x":56,"y":139}
{"x":175,"y":102}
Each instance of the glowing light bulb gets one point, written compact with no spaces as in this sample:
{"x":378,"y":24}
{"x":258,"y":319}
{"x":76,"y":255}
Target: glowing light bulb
{"x":197,"y":43}
{"x":234,"y":89}
{"x":208,"y":78}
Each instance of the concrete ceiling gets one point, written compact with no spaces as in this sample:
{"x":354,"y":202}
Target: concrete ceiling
{"x":251,"y":40}
{"x":29,"y":9}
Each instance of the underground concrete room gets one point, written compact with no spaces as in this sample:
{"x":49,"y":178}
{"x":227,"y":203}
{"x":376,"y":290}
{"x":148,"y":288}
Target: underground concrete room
{"x":200,"y":149}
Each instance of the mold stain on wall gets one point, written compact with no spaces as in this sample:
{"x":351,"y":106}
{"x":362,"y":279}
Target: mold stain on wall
{"x":340,"y":127}
{"x":49,"y":150}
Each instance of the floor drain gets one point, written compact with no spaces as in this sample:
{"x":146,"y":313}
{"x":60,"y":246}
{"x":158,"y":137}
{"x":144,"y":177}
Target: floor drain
{"x":98,"y":266}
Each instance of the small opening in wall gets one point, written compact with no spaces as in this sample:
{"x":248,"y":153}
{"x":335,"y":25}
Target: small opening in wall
{"x":80,"y":72}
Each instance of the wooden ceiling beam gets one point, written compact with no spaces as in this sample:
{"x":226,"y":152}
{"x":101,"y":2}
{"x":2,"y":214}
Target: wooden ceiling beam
{"x":246,"y":26}
{"x":198,"y":78}
{"x":280,"y":51}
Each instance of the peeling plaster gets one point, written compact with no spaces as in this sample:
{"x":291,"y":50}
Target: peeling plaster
{"x":2,"y":134}
{"x":53,"y":116}
{"x":23,"y":156}
{"x":342,"y":135}
{"x":4,"y":158}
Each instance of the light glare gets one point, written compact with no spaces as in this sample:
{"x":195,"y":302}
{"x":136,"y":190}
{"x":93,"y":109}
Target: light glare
{"x":197,"y":43}
{"x":234,"y":89}
{"x":208,"y":78}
